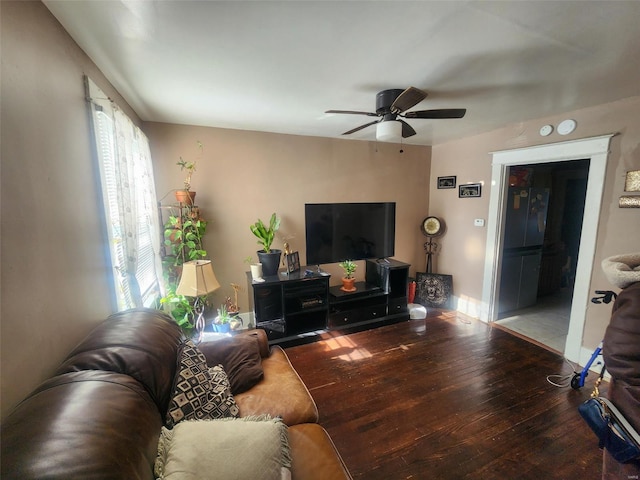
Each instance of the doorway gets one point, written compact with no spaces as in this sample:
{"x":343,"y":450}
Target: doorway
{"x":595,"y":150}
{"x":542,"y":227}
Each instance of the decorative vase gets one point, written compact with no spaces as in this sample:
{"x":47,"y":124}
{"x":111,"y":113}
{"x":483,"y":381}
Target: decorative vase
{"x":256,"y":271}
{"x":236,"y":323}
{"x":270,"y":261}
{"x":186,"y":197}
{"x":348,"y":285}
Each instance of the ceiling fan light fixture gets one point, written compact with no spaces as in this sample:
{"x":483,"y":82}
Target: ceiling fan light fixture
{"x":389,"y":131}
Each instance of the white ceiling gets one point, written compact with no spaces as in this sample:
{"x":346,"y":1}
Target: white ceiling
{"x":276,"y":66}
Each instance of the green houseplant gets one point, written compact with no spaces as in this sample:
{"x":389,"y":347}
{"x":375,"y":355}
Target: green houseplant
{"x":348,"y":281}
{"x":223,"y":319}
{"x":226,"y":320}
{"x":269,"y":258}
{"x":180,"y":308}
{"x":266,"y":234}
{"x":183,"y":234}
{"x":187,"y":196}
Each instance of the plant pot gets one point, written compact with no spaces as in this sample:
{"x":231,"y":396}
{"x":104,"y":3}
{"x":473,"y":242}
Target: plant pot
{"x":173,"y":236}
{"x":221,"y":327}
{"x":348,"y":285}
{"x":270,"y":262}
{"x":186,"y":197}
{"x":256,"y":271}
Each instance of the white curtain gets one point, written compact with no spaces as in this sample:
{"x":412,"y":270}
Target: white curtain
{"x":130,"y":203}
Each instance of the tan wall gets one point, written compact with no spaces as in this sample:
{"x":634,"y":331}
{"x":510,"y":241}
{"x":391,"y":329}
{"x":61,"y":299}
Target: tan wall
{"x":463,"y":246}
{"x":54,"y":282}
{"x":243,"y":176}
{"x":54,"y":274}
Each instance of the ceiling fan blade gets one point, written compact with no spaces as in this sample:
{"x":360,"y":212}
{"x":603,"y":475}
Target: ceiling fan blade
{"x":407,"y":99}
{"x":370,"y":114}
{"x":407,"y":130}
{"x":361,"y":127}
{"x":441,"y":113}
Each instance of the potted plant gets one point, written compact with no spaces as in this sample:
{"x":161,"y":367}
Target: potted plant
{"x":256,"y":269}
{"x":183,"y":233}
{"x":186,"y":196}
{"x":180,"y":308}
{"x":348,"y":281}
{"x":222,"y":322}
{"x":269,"y":258}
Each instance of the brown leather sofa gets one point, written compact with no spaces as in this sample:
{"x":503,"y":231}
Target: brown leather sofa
{"x":101,"y":414}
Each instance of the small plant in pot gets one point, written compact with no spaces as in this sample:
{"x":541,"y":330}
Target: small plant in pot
{"x":256,"y":269}
{"x":348,"y":281}
{"x":187,"y":196}
{"x":222,"y":323}
{"x":269,"y":258}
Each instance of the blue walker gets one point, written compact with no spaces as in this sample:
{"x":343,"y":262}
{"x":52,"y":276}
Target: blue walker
{"x":578,"y":379}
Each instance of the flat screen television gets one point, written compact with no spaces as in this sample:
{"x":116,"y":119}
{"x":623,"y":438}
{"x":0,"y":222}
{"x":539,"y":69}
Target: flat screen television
{"x":349,"y":231}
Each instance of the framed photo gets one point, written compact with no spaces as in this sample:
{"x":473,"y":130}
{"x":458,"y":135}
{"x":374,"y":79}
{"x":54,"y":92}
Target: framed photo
{"x":293,"y":262}
{"x":434,"y":290}
{"x":447,"y":182}
{"x":470,"y":190}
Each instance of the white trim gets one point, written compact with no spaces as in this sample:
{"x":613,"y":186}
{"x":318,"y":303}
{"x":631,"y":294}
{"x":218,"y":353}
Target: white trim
{"x":596,"y":149}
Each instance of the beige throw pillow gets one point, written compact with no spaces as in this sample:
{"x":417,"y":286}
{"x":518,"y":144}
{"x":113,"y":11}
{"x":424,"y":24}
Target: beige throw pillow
{"x":255,"y":448}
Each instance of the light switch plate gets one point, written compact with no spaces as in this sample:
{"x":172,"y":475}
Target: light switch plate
{"x":478,"y":222}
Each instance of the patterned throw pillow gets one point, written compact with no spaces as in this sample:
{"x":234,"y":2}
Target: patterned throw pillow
{"x":199,"y":392}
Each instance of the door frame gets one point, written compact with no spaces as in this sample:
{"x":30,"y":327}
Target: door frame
{"x":595,"y":149}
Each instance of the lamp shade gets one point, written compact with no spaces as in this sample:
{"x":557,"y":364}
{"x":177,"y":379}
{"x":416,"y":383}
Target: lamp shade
{"x":388,"y":131}
{"x":197,"y":279}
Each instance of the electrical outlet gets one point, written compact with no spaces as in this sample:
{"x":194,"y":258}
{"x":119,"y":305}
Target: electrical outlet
{"x":478,"y":222}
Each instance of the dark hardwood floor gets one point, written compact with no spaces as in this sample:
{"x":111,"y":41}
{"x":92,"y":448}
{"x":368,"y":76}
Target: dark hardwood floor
{"x":448,"y":398}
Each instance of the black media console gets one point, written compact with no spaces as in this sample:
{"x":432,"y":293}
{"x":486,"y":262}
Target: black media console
{"x":301,"y":306}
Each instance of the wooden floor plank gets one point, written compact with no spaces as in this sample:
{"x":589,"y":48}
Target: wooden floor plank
{"x":448,"y":397}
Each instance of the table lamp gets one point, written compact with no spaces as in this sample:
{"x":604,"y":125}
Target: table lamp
{"x":197,"y":280}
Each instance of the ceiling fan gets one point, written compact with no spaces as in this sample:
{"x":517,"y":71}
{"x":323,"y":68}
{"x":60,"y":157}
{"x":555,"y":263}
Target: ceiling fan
{"x":394,"y":103}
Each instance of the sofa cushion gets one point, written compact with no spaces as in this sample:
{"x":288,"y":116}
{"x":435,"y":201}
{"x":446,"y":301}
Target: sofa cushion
{"x":142,"y":343}
{"x":228,"y":448}
{"x":199,"y":391}
{"x":240,"y":357}
{"x":89,"y":424}
{"x":280,"y":394}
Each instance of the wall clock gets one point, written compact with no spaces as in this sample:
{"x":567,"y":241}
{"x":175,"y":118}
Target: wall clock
{"x":432,"y":226}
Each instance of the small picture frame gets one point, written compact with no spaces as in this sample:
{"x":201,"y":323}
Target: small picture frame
{"x":470,"y":190}
{"x":447,"y":182}
{"x":293,"y":262}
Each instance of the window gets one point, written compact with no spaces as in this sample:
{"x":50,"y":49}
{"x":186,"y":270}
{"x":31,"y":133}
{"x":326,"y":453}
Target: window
{"x":129,"y":196}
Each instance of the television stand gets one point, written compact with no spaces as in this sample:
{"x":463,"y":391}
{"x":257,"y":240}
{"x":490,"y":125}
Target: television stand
{"x":300,"y":307}
{"x":381,"y":298}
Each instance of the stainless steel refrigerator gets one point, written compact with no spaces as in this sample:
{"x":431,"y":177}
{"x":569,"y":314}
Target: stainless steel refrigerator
{"x":525,"y":224}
